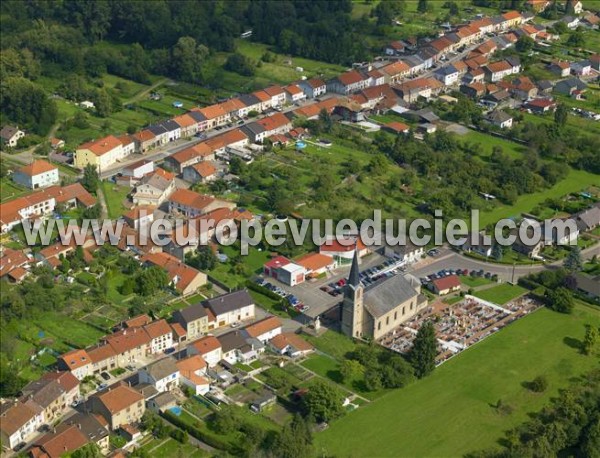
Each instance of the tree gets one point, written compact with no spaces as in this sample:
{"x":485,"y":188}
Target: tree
{"x":294,"y":440}
{"x":539,"y":384}
{"x":225,"y":420}
{"x":91,"y":178}
{"x":561,"y":115}
{"x":576,"y":39}
{"x":187,"y":59}
{"x":497,"y":252}
{"x":573,"y":262}
{"x":151,"y":280}
{"x":524,"y":44}
{"x":396,"y":372}
{"x":325,"y":120}
{"x":424,"y":350}
{"x":559,"y":299}
{"x":240,"y":64}
{"x":423,"y":6}
{"x":590,"y":340}
{"x":93,"y":212}
{"x":323,"y":401}
{"x":90,"y":450}
{"x":351,"y":369}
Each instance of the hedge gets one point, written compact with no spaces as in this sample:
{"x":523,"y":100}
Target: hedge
{"x":197,"y":433}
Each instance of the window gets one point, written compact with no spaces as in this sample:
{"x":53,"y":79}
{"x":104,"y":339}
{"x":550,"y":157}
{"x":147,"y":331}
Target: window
{"x":395,"y":316}
{"x":403,"y":310}
{"x":379,"y":325}
{"x":387,"y":320}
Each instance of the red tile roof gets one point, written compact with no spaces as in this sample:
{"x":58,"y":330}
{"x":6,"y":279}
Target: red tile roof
{"x":351,"y":77}
{"x":315,"y":261}
{"x":119,"y":397}
{"x":191,"y":199}
{"x":206,"y":344}
{"x":101,"y":146}
{"x":397,"y":126}
{"x":205,"y":169}
{"x":75,"y":359}
{"x":449,"y":282}
{"x":263,"y":326}
{"x":37,"y":167}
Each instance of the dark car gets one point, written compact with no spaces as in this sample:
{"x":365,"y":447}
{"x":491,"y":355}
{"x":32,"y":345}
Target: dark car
{"x":19,"y":447}
{"x":105,"y":375}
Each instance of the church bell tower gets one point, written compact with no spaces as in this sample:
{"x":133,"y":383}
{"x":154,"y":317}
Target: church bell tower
{"x":352,"y":306}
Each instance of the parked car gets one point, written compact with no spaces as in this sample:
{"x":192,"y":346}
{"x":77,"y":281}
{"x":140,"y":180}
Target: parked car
{"x":235,"y":324}
{"x":105,"y":375}
{"x":102,"y":386}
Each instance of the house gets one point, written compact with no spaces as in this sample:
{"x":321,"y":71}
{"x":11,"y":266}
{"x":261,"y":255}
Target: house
{"x":588,"y":284}
{"x":377,"y":77}
{"x":571,"y":87}
{"x":38,"y":174}
{"x":316,"y":264}
{"x":479,"y":244}
{"x":347,"y":83}
{"x":395,"y":48}
{"x":138,"y":170}
{"x":581,"y":68}
{"x":411,"y":90}
{"x":128,"y":345}
{"x":190,"y":156}
{"x":233,"y":139}
{"x":161,"y":336}
{"x":78,"y":362}
{"x":193,"y":319}
{"x":162,"y":402}
{"x":192,"y":204}
{"x":342,"y":249}
{"x":18,"y":422}
{"x":119,"y":405}
{"x":201,"y":121}
{"x":406,"y":253}
{"x":128,"y":144}
{"x":445,"y":285}
{"x":144,"y":141}
{"x":396,"y":128}
{"x":265,"y":329}
{"x":591,"y":20}
{"x":497,"y":70}
{"x":511,"y":19}
{"x":209,"y":348}
{"x":100,"y":153}
{"x":571,"y":22}
{"x":154,"y":188}
{"x":313,"y":87}
{"x":173,"y":129}
{"x":285,"y":271}
{"x":192,"y":373}
{"x":560,"y":68}
{"x":264,"y":100}
{"x":162,"y":374}
{"x":201,"y":172}
{"x":263,"y":402}
{"x":103,"y":357}
{"x":588,"y":219}
{"x":290,"y":344}
{"x":161,"y":133}
{"x":188,"y":126}
{"x":541,"y":105}
{"x":215,"y":116}
{"x":65,"y":438}
{"x":237,"y":348}
{"x":185,"y":279}
{"x":52,"y":394}
{"x":231,"y":307}
{"x":537,"y":6}
{"x":10,"y":136}
{"x":56,"y":143}
{"x":394,"y":72}
{"x":277,"y":123}
{"x":521,"y":88}
{"x":447,"y":75}
{"x":294,"y":94}
{"x":278,"y":95}
{"x":473,"y":90}
{"x":500,"y":119}
{"x":595,"y":61}
{"x":574,"y":7}
{"x":93,"y":427}
{"x":234,"y":108}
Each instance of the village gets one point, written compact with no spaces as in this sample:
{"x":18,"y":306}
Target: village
{"x":196,"y":333}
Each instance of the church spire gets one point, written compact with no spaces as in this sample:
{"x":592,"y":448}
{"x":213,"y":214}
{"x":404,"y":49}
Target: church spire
{"x":354,"y":278}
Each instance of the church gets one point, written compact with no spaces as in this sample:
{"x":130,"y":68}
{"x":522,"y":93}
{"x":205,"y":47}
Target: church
{"x":372,"y":312}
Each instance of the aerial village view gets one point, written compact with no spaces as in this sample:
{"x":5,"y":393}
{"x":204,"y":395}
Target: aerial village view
{"x":170,"y":285}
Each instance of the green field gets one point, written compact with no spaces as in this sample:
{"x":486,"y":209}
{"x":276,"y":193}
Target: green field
{"x":115,"y":196}
{"x":501,"y":294}
{"x":488,"y":142}
{"x":451,"y":412}
{"x":575,"y":181}
{"x":474,"y":282}
{"x":10,"y":190}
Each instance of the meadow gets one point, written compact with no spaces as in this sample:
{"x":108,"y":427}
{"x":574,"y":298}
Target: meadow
{"x":452,"y":412}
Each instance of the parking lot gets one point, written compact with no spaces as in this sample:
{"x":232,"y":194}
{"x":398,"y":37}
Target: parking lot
{"x":322,"y":294}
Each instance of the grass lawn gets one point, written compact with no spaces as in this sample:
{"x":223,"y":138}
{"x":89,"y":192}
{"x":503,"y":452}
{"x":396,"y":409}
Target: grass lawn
{"x":575,"y":181}
{"x":501,"y":294}
{"x":488,"y":142}
{"x":115,"y":195}
{"x":473,"y":282}
{"x":333,"y":343}
{"x":450,"y":412}
{"x":10,"y":190}
{"x":171,"y":448}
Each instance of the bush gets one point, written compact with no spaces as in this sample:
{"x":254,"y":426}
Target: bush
{"x":199,"y":434}
{"x":180,"y":436}
{"x":539,"y":384}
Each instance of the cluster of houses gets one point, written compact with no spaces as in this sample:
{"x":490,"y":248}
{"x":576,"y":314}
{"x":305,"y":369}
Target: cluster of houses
{"x":203,"y":360}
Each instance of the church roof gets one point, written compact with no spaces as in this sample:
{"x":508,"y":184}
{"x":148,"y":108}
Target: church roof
{"x":354,"y":277}
{"x":383,"y":297}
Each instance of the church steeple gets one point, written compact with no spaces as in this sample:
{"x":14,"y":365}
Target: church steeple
{"x":354,"y":278}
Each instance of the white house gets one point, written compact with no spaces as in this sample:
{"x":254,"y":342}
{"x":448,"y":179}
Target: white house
{"x":265,"y":329}
{"x":11,"y":135}
{"x":313,"y":87}
{"x":209,"y":348}
{"x":347,"y":83}
{"x":294,"y":94}
{"x":231,"y":307}
{"x":19,"y":422}
{"x":101,"y":153}
{"x":38,"y":174}
{"x":500,"y":119}
{"x":161,"y":336}
{"x":290,"y":344}
{"x":162,"y":374}
{"x":192,"y":373}
{"x":447,"y":75}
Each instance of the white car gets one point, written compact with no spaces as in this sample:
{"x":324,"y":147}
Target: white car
{"x":235,"y":324}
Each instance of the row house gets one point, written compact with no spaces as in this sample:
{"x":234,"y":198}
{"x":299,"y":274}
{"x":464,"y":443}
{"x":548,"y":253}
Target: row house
{"x":234,"y":108}
{"x":313,"y":87}
{"x":294,"y":93}
{"x":201,"y":121}
{"x":448,"y":75}
{"x":376,"y":77}
{"x":237,"y":348}
{"x":215,"y":116}
{"x":130,"y":345}
{"x":189,"y":156}
{"x":144,"y":141}
{"x":52,"y":394}
{"x":264,"y":100}
{"x":19,"y":422}
{"x":128,"y":144}
{"x":521,"y":88}
{"x":278,"y":95}
{"x":160,"y":133}
{"x":192,"y":204}
{"x":231,"y":307}
{"x":347,"y":83}
{"x":394,"y":49}
{"x":496,"y":71}
{"x":371,"y":96}
{"x":411,"y":90}
{"x":394,"y":72}
{"x":173,"y":130}
{"x":201,"y":172}
{"x":194,"y":320}
{"x":188,"y":126}
{"x":100,"y":153}
{"x":510,"y":20}
{"x":485,"y":25}
{"x":265,"y":329}
{"x":415,"y":63}
{"x":251,"y":104}
{"x":161,"y":335}
{"x":219,"y":144}
{"x":277,"y":123}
